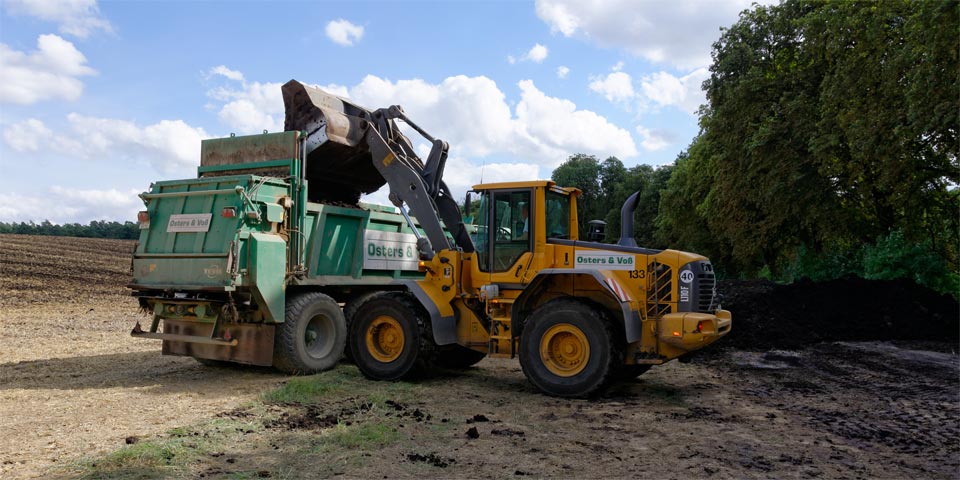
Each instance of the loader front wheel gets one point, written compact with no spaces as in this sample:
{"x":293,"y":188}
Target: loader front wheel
{"x":312,"y":337}
{"x":567,"y":349}
{"x":386,"y":336}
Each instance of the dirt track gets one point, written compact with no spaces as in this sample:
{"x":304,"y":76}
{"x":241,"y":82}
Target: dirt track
{"x":72,"y":383}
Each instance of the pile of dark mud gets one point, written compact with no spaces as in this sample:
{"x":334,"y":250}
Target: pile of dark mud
{"x":767,"y":315}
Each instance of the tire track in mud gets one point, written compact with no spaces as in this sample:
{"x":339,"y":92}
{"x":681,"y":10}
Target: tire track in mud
{"x":873,"y":397}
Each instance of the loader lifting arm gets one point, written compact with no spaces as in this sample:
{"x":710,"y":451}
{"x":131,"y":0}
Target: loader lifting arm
{"x":343,"y":140}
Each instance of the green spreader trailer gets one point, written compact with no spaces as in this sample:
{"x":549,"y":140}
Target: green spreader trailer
{"x":245,"y":264}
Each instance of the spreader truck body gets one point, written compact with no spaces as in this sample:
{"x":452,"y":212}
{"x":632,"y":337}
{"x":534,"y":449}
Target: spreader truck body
{"x":268,"y":258}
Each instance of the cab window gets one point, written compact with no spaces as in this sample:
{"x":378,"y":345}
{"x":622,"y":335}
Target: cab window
{"x":508,"y":232}
{"x":558,"y":215}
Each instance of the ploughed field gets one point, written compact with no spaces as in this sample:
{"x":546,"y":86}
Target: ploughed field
{"x":842,"y":380}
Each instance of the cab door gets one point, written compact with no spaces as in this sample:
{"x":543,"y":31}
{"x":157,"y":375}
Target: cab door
{"x":505,"y":236}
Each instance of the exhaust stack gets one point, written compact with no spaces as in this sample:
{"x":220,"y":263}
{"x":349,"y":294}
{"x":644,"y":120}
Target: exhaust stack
{"x":626,"y":220}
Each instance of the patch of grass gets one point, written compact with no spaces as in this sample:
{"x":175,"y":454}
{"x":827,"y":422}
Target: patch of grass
{"x":311,"y":389}
{"x":152,"y":459}
{"x":362,"y":436}
{"x":316,"y":389}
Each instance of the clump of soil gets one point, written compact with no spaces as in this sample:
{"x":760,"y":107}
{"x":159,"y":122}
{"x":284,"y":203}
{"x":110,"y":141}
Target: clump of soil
{"x":431,"y":459}
{"x":771,"y":316}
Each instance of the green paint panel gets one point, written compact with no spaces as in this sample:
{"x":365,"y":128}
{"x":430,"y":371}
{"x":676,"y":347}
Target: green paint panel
{"x":267,"y":270}
{"x":189,"y":239}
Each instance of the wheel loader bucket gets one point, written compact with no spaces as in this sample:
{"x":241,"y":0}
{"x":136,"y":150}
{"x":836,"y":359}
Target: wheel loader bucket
{"x":338,"y":164}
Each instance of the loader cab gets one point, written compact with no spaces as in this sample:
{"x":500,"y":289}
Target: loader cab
{"x":513,"y":223}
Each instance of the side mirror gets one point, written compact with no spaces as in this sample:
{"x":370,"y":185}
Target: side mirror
{"x":466,"y":205}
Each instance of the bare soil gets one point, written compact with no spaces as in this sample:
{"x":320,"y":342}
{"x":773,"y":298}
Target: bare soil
{"x":73,"y":383}
{"x":72,"y":380}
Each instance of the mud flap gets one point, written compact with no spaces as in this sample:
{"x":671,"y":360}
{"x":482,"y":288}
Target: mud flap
{"x":254,"y":342}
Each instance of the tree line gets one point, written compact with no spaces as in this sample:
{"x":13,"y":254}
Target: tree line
{"x":96,"y":229}
{"x":827,"y":147}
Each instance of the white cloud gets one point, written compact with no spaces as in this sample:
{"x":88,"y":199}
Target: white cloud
{"x":72,"y":205}
{"x":618,"y":66}
{"x":562,"y":72}
{"x":27,"y":136}
{"x":79,"y":18}
{"x":249,"y":107}
{"x":168,"y":145}
{"x":647,"y":29}
{"x":537,"y":54}
{"x":556,"y":124}
{"x":472,"y":114}
{"x":653,"y":140}
{"x":663,"y":89}
{"x":615,"y":87}
{"x":48,"y":73}
{"x":343,"y":32}
{"x":223,"y":71}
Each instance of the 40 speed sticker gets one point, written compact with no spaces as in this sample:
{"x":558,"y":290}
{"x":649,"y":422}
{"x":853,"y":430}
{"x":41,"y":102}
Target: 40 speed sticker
{"x":389,"y":250}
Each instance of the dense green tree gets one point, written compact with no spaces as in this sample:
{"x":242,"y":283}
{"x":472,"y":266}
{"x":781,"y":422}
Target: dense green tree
{"x":96,"y":229}
{"x":828,"y":125}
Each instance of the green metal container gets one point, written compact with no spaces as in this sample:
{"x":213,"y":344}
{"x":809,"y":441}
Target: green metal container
{"x":219,"y":255}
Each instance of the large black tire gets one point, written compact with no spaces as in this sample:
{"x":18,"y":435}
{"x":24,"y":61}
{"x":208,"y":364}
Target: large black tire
{"x":390,"y":338}
{"x":312,"y":337}
{"x":567,"y":349}
{"x":457,"y":357}
{"x":350,"y":311}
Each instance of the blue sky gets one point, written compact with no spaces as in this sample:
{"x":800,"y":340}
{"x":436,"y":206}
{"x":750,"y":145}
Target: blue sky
{"x":98,"y":99}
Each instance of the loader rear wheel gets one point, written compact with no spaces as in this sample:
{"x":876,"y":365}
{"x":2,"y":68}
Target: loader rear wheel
{"x":388,"y":337}
{"x":567,"y":349}
{"x":312,"y":337}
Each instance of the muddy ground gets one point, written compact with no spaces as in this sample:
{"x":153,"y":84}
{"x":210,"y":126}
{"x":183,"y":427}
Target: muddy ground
{"x":75,"y":390}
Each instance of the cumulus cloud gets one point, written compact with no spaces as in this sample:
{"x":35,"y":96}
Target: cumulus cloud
{"x":248,"y":107}
{"x":537,"y":54}
{"x":79,"y":18}
{"x":225,"y":72}
{"x":52,"y":71}
{"x":616,"y":87}
{"x":168,"y":145}
{"x":562,"y":72}
{"x":27,"y":136}
{"x":473,"y":115}
{"x":343,"y":32}
{"x":653,"y":140}
{"x":647,"y":29}
{"x":557,"y":125}
{"x":73,"y":205}
{"x":663,"y":89}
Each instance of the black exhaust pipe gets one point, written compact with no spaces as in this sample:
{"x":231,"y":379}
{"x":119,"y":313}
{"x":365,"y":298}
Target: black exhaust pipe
{"x":626,"y":220}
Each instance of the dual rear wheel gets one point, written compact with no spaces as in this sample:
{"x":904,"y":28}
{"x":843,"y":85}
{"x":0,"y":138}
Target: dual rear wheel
{"x":312,"y":337}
